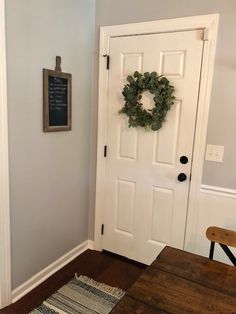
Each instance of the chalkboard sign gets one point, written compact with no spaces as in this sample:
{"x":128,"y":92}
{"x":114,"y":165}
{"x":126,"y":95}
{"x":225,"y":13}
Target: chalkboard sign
{"x":57,"y":101}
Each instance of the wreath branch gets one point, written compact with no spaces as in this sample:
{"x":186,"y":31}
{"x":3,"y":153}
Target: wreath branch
{"x":163,"y":99}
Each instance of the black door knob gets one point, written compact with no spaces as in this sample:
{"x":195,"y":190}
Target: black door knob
{"x":182,"y":177}
{"x":183,"y":159}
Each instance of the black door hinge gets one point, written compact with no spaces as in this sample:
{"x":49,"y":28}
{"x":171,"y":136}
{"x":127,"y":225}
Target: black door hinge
{"x":108,"y":61}
{"x":105,"y":151}
{"x":102,"y":229}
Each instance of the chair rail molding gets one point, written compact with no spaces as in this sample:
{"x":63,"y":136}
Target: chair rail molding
{"x":5,"y":258}
{"x":219,"y":191}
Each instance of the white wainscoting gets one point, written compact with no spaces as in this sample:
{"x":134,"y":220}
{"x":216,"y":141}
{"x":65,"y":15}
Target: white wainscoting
{"x":216,"y":207}
{"x":44,"y":274}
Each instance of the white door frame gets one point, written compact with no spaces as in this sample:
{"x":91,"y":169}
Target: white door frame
{"x":209,"y":23}
{"x":5,"y":258}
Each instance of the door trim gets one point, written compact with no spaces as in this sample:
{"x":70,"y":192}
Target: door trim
{"x":5,"y":258}
{"x":209,"y":23}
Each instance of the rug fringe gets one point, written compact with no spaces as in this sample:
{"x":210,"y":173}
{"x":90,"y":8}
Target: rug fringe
{"x":116,"y":292}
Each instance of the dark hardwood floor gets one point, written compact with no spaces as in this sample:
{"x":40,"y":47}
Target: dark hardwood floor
{"x":101,"y":266}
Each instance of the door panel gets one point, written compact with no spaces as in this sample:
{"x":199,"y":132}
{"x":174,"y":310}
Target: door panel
{"x":128,"y":142}
{"x":131,"y":61}
{"x":172,"y":63}
{"x":146,"y":206}
{"x":125,"y":206}
{"x":167,"y":154}
{"x":162,"y":206}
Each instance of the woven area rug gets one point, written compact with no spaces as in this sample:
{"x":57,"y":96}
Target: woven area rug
{"x":81,"y":295}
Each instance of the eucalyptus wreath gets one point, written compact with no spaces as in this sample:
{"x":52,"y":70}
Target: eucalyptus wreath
{"x":163,"y":98}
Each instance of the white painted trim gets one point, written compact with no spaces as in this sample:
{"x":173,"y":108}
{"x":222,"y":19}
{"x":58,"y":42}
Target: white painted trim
{"x":5,"y":257}
{"x":159,"y":26}
{"x":218,"y":191}
{"x":201,"y":130}
{"x":44,"y":274}
{"x":91,"y":245}
{"x":206,"y":22}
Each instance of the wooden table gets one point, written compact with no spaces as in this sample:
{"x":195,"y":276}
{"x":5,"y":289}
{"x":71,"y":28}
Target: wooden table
{"x":181,"y":282}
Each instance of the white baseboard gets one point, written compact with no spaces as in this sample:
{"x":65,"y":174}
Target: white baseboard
{"x":44,"y":274}
{"x":91,"y":245}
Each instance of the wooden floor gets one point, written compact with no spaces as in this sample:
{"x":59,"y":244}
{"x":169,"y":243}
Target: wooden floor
{"x":103,"y":267}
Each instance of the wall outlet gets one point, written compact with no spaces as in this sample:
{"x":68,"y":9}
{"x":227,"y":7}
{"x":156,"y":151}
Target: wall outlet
{"x":214,"y":153}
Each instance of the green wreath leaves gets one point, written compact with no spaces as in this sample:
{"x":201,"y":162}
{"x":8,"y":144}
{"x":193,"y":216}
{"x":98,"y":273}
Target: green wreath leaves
{"x":163,"y":98}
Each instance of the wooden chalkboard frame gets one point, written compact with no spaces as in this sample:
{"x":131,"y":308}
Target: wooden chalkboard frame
{"x":46,"y":105}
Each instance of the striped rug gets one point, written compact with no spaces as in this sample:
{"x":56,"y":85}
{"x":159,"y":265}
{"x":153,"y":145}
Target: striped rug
{"x":81,"y":295}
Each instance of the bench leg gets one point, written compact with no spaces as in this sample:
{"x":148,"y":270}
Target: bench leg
{"x":212,"y":250}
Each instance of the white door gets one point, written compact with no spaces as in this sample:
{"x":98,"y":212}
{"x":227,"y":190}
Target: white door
{"x":146,"y":205}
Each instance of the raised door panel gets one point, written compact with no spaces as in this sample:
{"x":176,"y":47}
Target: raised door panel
{"x":166,"y":140}
{"x":162,"y":210}
{"x":125,"y":202}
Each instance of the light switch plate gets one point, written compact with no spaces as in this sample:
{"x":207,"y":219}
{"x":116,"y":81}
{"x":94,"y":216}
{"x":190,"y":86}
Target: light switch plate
{"x":214,"y":153}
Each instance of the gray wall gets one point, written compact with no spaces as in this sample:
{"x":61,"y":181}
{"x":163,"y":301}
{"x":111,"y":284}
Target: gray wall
{"x":48,"y":171}
{"x":221,"y":128}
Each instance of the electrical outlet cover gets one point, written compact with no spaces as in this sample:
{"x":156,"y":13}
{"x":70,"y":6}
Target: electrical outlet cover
{"x":214,"y":153}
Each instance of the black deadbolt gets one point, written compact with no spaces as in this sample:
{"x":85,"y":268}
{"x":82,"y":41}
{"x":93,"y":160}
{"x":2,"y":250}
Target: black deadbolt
{"x":183,"y":159}
{"x":182,"y":177}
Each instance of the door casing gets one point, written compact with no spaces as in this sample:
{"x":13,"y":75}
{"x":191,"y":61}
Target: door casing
{"x":208,"y":23}
{"x":5,"y":258}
